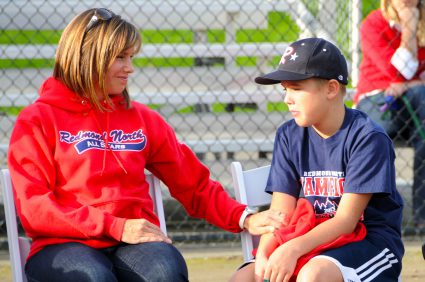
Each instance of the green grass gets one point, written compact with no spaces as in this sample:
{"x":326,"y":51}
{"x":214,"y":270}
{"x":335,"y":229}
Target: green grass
{"x":29,"y":36}
{"x":281,"y":28}
{"x":10,"y":111}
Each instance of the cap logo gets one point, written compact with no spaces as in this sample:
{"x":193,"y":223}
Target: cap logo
{"x":289,"y":50}
{"x":293,"y":57}
{"x":340,"y":77}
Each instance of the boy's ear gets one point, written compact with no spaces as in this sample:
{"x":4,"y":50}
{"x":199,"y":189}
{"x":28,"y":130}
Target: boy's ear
{"x":333,"y":88}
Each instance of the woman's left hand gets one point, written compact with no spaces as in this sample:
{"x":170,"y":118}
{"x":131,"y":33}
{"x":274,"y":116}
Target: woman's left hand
{"x":265,"y":222}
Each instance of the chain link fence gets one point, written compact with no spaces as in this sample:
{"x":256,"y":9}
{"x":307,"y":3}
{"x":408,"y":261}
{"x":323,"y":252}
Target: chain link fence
{"x":196,"y":68}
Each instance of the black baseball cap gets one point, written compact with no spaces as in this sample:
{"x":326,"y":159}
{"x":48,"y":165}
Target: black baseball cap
{"x":306,"y":58}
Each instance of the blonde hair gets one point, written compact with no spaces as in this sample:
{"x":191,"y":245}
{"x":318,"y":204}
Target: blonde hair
{"x":390,"y":13}
{"x":85,"y":53}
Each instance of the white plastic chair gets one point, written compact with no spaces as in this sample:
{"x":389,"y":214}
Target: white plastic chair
{"x":19,"y":247}
{"x":249,"y":188}
{"x":156,"y":195}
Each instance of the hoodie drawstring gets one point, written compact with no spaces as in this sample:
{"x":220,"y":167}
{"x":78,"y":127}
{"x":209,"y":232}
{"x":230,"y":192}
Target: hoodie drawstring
{"x":107,"y":147}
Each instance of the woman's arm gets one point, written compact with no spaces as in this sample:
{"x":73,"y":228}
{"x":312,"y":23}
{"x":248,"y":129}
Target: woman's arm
{"x":409,"y":17}
{"x":405,"y":58}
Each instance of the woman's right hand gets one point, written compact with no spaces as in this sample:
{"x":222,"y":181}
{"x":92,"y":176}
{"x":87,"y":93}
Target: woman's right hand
{"x":141,"y":230}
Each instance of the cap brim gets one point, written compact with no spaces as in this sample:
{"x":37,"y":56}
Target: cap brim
{"x":280,"y":75}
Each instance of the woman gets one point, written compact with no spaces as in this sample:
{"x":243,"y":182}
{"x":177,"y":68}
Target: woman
{"x":393,"y":69}
{"x":77,"y":158}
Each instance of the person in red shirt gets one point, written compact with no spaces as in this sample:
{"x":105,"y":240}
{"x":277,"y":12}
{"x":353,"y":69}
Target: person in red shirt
{"x":391,"y":87}
{"x":77,"y":159}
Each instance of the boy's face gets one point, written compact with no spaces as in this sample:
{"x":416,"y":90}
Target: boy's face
{"x":306,"y":100}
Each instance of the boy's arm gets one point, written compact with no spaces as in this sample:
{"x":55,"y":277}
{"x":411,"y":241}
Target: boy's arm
{"x":349,"y":212}
{"x":285,"y":204}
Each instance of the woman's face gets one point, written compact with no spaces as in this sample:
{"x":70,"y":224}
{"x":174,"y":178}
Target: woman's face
{"x":117,"y":75}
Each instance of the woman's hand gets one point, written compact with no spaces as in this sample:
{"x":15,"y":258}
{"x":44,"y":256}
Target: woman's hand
{"x":265,"y":222}
{"x":409,"y":16}
{"x":396,"y":89}
{"x":141,"y":230}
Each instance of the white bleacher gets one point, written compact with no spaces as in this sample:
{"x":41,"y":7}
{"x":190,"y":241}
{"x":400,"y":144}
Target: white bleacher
{"x":178,"y":86}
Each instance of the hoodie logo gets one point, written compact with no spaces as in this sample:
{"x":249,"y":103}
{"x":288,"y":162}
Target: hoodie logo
{"x":120,"y":141}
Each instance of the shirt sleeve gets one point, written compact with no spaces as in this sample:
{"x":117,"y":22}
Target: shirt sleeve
{"x":376,"y":45}
{"x":283,"y":175}
{"x":405,"y":62}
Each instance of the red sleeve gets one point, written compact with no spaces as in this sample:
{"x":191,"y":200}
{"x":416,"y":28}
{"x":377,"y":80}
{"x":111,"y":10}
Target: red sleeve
{"x":32,"y":169}
{"x":189,"y":180}
{"x":379,"y":43}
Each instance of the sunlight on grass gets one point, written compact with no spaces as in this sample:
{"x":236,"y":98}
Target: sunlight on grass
{"x":281,"y":29}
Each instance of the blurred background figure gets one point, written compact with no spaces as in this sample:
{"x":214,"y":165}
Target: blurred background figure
{"x":391,"y":87}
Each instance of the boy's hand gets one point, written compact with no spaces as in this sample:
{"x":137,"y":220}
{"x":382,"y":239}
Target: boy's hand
{"x":265,"y":222}
{"x":260,"y":267}
{"x":281,"y":264}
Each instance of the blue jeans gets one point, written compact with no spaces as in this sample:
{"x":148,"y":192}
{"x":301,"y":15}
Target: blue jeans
{"x":399,"y":124}
{"x":153,"y":261}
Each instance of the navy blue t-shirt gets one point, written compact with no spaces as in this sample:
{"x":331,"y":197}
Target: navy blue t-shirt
{"x":359,"y":158}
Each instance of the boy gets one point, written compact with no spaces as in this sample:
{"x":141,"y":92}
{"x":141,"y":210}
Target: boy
{"x":343,"y":163}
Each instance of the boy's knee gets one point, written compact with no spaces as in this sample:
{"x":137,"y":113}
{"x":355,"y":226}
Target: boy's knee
{"x":320,"y":270}
{"x":311,"y":274}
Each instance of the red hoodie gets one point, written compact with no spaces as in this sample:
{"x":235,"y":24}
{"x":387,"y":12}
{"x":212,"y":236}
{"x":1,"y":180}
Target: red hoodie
{"x":379,"y":42}
{"x":71,"y":187}
{"x":302,"y":221}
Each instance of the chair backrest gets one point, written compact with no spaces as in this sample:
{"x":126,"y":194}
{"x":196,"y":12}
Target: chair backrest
{"x":19,"y":247}
{"x":156,"y":195}
{"x":249,"y":188}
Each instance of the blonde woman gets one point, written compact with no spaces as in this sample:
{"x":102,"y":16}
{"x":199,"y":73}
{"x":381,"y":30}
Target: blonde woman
{"x":77,"y":158}
{"x":391,"y":87}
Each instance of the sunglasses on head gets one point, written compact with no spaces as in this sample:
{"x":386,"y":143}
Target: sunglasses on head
{"x":99,"y":14}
